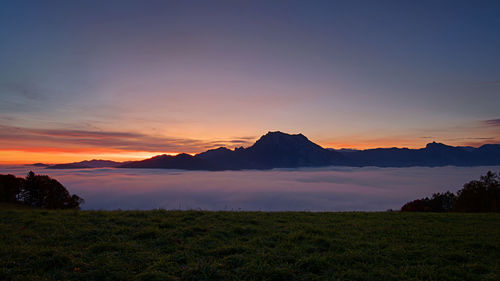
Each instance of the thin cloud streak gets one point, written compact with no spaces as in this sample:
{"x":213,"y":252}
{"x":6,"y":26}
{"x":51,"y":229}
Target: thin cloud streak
{"x":492,"y":122}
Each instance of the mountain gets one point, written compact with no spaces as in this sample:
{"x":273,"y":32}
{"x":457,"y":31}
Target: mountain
{"x":344,"y":150}
{"x":87,"y":164}
{"x":181,"y":161}
{"x":38,"y":165}
{"x":488,"y":154}
{"x":281,"y":150}
{"x":434,"y":154}
{"x":273,"y":150}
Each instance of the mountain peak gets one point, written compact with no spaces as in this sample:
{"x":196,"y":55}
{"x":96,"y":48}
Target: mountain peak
{"x":280,"y":133}
{"x":221,"y":151}
{"x":436,"y":145}
{"x":280,"y":139}
{"x":283,"y":136}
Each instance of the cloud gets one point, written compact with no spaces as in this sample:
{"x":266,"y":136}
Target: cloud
{"x":469,"y":138}
{"x":26,"y":138}
{"x":25,"y":90}
{"x":492,"y":122}
{"x":238,"y":141}
{"x":489,"y":82}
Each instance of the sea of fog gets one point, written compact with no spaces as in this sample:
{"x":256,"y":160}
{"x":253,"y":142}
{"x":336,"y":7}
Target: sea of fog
{"x":311,"y":189}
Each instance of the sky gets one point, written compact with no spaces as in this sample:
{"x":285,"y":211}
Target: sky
{"x":127,"y":80}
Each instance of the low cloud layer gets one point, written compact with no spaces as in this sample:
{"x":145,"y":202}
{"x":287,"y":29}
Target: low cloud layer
{"x":312,"y":189}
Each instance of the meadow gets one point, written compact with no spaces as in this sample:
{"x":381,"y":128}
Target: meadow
{"x":40,"y":244}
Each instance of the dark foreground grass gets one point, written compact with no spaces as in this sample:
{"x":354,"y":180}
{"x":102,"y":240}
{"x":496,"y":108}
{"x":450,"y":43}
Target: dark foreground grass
{"x":192,"y":245}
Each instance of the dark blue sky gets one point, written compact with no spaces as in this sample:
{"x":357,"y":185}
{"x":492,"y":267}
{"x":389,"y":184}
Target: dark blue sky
{"x":345,"y":73}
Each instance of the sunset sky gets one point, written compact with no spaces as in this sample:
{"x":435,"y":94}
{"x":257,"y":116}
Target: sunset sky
{"x":126,"y":80}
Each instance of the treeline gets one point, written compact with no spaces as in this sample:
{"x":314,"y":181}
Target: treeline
{"x":39,"y":191}
{"x":476,"y":196}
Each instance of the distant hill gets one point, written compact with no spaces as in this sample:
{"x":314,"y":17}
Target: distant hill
{"x":434,"y":154}
{"x":87,"y":164}
{"x":281,"y":150}
{"x":181,"y":161}
{"x":38,"y":165}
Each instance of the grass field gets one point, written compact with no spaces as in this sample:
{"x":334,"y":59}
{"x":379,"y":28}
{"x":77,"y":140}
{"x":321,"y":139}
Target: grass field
{"x":194,"y":245}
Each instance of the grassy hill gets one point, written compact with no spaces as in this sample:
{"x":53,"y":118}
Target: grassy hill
{"x":192,"y":245}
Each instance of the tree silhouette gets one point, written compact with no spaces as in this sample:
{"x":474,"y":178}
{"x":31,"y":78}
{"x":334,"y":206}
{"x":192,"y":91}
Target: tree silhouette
{"x":75,"y":202}
{"x":439,"y":202}
{"x":480,"y":196}
{"x":31,"y":192}
{"x":476,"y":196}
{"x":10,"y":186}
{"x":37,"y":191}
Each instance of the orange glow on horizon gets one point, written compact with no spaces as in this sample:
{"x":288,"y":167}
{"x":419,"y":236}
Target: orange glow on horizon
{"x":53,"y":156}
{"x":69,"y":155}
{"x":399,"y":143}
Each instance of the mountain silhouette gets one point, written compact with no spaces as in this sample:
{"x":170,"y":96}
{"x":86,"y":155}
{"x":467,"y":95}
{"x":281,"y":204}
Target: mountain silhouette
{"x":281,"y":150}
{"x":434,"y":154}
{"x":39,"y":165}
{"x":273,"y":150}
{"x":181,"y":161}
{"x":87,"y":164}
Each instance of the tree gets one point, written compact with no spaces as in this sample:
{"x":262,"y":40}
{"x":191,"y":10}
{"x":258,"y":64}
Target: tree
{"x":44,"y":192}
{"x":418,"y":205}
{"x":55,"y":195}
{"x":31,"y":193}
{"x":440,"y":202}
{"x":75,"y":202}
{"x":10,"y":186}
{"x":479,"y":196}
